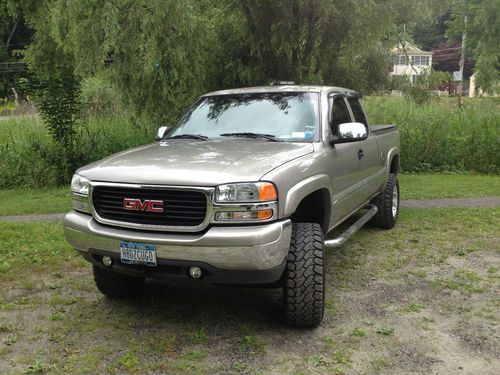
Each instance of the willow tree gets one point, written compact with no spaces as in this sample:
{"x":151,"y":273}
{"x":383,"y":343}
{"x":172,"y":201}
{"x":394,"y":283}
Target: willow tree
{"x":152,"y":50}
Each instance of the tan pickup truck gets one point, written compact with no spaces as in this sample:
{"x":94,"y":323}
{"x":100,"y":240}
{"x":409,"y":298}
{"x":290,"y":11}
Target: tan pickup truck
{"x":242,"y":190}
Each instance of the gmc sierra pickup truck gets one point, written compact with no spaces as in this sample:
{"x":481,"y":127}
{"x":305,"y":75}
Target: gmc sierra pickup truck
{"x":242,"y":190}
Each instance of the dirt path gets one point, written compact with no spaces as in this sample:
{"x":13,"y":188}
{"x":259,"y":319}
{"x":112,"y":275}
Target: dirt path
{"x":24,"y":218}
{"x":484,"y":202}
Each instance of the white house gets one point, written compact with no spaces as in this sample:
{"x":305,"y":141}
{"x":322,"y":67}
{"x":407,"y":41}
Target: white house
{"x":412,"y":63}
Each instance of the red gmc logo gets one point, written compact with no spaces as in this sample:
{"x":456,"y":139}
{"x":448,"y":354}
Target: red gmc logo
{"x":150,"y":205}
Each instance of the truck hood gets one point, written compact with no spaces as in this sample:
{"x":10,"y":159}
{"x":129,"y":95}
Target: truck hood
{"x":195,"y":163}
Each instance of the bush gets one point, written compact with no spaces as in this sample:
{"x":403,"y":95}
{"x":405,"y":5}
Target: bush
{"x":420,"y":92}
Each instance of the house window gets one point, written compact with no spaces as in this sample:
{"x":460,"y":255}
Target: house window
{"x":420,"y":60}
{"x":400,"y":60}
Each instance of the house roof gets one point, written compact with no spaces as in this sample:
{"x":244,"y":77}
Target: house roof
{"x":411,"y":49}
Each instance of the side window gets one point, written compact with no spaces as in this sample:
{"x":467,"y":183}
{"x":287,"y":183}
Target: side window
{"x":340,"y":114}
{"x":357,"y":110}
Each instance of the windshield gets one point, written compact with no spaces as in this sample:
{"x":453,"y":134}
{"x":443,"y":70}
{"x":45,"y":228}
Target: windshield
{"x":290,"y":116}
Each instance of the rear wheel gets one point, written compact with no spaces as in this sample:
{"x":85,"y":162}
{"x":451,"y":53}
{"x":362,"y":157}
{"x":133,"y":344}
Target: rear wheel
{"x":113,"y":284}
{"x":304,"y":283}
{"x":387,"y":203}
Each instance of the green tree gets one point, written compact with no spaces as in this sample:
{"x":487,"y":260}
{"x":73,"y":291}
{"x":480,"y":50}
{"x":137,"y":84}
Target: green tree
{"x":483,"y":37}
{"x":52,"y":82}
{"x":9,"y":67}
{"x":153,"y":51}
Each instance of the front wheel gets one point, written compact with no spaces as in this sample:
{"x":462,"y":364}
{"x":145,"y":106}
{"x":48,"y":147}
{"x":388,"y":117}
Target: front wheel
{"x":304,"y":284}
{"x":387,"y":203}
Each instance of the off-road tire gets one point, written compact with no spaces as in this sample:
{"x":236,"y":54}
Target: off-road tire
{"x":385,"y":218}
{"x":304,"y":279}
{"x":116,"y":285}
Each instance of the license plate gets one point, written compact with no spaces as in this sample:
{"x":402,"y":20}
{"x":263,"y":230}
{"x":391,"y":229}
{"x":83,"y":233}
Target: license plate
{"x":138,"y":253}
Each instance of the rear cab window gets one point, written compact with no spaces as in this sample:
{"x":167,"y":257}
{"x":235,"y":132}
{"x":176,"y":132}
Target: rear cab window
{"x":357,"y":110}
{"x":339,"y":113}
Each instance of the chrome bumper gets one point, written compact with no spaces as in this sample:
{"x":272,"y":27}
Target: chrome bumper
{"x":259,"y":247}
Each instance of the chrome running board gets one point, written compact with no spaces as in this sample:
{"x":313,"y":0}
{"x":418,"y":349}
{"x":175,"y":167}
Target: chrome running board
{"x":348,"y":233}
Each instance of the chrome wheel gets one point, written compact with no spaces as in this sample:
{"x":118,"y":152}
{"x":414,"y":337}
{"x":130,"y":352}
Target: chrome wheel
{"x":395,"y":201}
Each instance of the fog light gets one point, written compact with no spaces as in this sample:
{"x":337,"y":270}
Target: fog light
{"x":195,"y":272}
{"x":107,"y":261}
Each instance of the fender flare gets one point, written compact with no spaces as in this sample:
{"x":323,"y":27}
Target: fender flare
{"x":305,"y":187}
{"x":394,"y":151}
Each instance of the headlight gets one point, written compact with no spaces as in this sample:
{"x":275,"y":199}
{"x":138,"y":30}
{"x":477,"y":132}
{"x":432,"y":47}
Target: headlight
{"x":80,"y":193}
{"x":80,"y":185}
{"x":246,"y":192}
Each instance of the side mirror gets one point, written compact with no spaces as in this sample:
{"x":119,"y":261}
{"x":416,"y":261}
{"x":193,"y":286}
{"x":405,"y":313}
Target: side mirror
{"x":161,"y":132}
{"x":349,"y":132}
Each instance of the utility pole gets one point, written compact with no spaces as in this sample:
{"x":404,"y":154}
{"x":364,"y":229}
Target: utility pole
{"x":462,"y":61}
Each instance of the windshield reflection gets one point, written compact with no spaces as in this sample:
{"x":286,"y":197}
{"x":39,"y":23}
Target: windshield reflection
{"x":291,"y":116}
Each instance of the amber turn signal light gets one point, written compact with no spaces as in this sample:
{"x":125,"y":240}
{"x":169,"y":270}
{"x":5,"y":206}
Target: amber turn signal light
{"x":267,"y":192}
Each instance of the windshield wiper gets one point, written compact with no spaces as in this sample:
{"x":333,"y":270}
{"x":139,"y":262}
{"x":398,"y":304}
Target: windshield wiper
{"x":269,"y":137}
{"x":189,"y":136}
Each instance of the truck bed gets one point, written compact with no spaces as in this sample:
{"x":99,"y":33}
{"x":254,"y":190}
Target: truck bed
{"x":379,"y":129}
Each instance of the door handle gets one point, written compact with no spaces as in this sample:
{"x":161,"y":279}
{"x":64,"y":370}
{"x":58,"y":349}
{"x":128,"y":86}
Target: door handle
{"x":360,"y":154}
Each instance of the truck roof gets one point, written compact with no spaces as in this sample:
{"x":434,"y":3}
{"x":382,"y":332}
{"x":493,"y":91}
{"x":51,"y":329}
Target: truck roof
{"x":283,"y":88}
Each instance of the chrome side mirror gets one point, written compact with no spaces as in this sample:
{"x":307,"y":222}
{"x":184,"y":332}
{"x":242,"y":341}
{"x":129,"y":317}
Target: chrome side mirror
{"x":350,"y":132}
{"x":161,"y":132}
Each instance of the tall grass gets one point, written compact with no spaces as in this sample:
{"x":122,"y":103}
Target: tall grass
{"x":434,"y":138}
{"x":440,"y":138}
{"x":29,"y":157}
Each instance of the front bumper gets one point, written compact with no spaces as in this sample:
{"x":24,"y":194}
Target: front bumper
{"x":256,"y":253}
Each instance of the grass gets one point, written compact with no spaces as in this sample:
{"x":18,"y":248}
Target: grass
{"x":428,"y":186}
{"x":32,"y":246}
{"x":30,"y":201}
{"x":424,"y":186}
{"x":442,"y":264}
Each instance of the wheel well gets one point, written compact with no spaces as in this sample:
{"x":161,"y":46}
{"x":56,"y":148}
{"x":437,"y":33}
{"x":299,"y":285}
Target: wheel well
{"x":314,"y":208}
{"x":394,"y":164}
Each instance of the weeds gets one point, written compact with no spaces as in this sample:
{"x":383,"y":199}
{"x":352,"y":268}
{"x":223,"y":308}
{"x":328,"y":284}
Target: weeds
{"x":435,"y":137}
{"x":385,"y":330}
{"x":358,"y":332}
{"x":38,"y":367}
{"x":439,"y":138}
{"x":199,"y":336}
{"x":9,"y":340}
{"x":250,"y":343}
{"x":411,"y":307}
{"x":30,"y":158}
